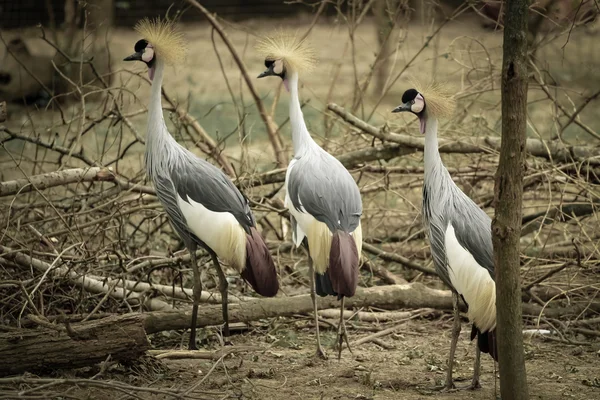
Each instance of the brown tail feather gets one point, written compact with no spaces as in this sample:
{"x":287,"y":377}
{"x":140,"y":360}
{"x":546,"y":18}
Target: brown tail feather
{"x":260,"y":270}
{"x":486,"y":341}
{"x":343,"y":264}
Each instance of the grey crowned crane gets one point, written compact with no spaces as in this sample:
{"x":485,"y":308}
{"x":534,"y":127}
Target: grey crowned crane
{"x":322,"y":197}
{"x":459,"y":231}
{"x":203,"y":205}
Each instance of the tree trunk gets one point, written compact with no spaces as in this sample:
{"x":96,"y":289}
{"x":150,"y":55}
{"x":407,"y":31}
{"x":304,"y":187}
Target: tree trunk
{"x":2,"y":111}
{"x":506,"y":225}
{"x":73,"y":346}
{"x":384,"y":25}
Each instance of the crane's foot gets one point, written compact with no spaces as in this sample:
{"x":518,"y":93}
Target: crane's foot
{"x":321,"y":353}
{"x":446,"y":388}
{"x":343,"y":338}
{"x":474,"y":385}
{"x":449,"y":388}
{"x":192,"y":343}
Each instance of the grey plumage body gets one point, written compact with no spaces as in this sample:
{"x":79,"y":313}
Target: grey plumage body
{"x":205,"y":209}
{"x":461,"y":246}
{"x":320,"y":185}
{"x":453,"y":219}
{"x":459,"y":232}
{"x":175,"y":171}
{"x":443,"y":203}
{"x":325,"y":206}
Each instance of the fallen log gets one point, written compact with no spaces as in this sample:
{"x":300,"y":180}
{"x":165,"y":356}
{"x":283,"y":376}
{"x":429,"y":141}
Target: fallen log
{"x":391,"y":297}
{"x":73,"y":346}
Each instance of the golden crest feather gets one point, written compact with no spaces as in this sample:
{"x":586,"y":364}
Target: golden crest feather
{"x":167,"y":42}
{"x":295,"y":53}
{"x":438,"y":97}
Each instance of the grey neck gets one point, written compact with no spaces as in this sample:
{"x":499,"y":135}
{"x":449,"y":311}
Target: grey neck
{"x":158,"y":137}
{"x":300,"y":137}
{"x":432,"y":154}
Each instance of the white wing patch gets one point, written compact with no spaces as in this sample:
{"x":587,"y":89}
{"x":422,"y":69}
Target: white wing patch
{"x":219,"y":230}
{"x":472,"y":281}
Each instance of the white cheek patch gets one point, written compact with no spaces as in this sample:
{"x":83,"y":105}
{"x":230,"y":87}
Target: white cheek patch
{"x":148,"y":54}
{"x":418,"y":105}
{"x":278,"y":67}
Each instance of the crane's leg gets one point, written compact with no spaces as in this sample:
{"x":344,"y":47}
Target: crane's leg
{"x":342,"y":335}
{"x":223,"y":286}
{"x":455,"y":334}
{"x":197,"y":293}
{"x":476,"y":367}
{"x":313,"y":296}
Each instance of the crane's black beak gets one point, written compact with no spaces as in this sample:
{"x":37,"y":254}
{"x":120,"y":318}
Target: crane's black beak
{"x":134,"y":57}
{"x":268,"y":72}
{"x":402,"y":107}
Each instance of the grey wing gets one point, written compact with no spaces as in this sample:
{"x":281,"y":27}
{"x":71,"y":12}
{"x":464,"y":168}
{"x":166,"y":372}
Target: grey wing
{"x":165,"y":191}
{"x":473,"y":230}
{"x":204,"y":183}
{"x":437,"y":239}
{"x":326,"y":190}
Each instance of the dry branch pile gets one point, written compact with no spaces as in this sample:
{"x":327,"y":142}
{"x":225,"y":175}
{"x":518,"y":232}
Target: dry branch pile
{"x":82,"y":234}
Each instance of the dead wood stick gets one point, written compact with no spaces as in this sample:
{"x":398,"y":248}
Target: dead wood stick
{"x":29,"y":350}
{"x":369,"y":248}
{"x":587,"y":332}
{"x":57,"y":178}
{"x":553,"y":151}
{"x":548,"y":275}
{"x":272,"y":131}
{"x":385,"y":275}
{"x":2,"y":111}
{"x":88,"y":283}
{"x":174,"y":292}
{"x":202,"y":355}
{"x":382,"y":316}
{"x":129,"y":390}
{"x":387,"y":331}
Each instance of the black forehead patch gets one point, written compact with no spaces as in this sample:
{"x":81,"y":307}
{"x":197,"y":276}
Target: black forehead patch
{"x":268,"y":63}
{"x":140,"y":45}
{"x":409,"y":95}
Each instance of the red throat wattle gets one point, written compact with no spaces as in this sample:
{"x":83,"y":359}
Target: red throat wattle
{"x":422,"y":122}
{"x":286,"y":84}
{"x":151,"y":73}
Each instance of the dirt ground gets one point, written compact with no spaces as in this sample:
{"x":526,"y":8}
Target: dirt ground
{"x":408,"y":371}
{"x":281,"y":364}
